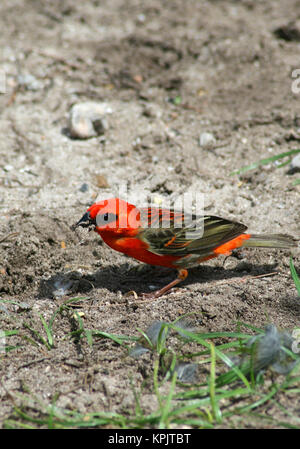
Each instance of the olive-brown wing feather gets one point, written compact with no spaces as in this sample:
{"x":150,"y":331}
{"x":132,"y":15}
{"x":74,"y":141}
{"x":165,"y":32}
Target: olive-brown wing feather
{"x":178,"y":235}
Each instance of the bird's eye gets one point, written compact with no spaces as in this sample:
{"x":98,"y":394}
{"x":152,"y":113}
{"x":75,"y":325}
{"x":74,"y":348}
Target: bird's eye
{"x":106,"y":219}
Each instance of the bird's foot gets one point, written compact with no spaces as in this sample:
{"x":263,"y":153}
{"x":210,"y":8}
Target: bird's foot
{"x":182,"y":274}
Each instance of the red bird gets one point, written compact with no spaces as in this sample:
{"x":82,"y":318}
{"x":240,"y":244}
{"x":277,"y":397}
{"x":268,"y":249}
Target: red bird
{"x":171,"y":238}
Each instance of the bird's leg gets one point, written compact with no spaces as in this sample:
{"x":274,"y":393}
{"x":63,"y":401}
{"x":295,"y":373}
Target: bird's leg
{"x":182,"y":275}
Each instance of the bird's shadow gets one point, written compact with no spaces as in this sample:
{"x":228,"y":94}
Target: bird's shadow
{"x":124,"y":278}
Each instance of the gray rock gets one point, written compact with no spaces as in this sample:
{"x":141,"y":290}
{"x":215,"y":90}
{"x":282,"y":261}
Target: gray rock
{"x":84,"y":187}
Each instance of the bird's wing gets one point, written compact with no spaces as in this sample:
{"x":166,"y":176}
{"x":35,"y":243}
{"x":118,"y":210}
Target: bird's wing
{"x":170,"y":232}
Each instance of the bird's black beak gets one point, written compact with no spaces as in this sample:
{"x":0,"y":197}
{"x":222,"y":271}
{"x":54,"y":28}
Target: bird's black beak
{"x":86,"y":221}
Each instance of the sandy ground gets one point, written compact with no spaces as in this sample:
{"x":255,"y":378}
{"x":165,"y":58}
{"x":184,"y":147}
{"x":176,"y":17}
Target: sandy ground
{"x":166,"y":72}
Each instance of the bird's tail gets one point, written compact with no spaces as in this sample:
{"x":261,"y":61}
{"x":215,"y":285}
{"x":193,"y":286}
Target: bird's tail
{"x":270,"y":241}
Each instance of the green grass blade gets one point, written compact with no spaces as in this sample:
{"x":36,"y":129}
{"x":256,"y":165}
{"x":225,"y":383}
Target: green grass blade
{"x":48,"y":331}
{"x":220,"y":354}
{"x":212,"y":386}
{"x":295,"y":276}
{"x":265,"y":398}
{"x":89,"y":337}
{"x":10,"y":333}
{"x":119,"y":339}
{"x":264,"y":162}
{"x":167,"y":406}
{"x":37,"y":335}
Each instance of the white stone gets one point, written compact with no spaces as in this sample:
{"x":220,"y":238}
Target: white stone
{"x":88,"y":119}
{"x":295,"y":163}
{"x":207,"y":140}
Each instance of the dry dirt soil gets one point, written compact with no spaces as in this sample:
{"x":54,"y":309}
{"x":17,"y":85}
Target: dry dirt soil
{"x":167,"y":71}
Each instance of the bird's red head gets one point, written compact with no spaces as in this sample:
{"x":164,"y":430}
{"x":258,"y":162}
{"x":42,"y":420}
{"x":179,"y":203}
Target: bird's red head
{"x":112,"y":215}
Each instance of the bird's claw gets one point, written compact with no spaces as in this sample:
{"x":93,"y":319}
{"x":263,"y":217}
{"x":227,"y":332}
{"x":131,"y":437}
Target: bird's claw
{"x":131,"y":293}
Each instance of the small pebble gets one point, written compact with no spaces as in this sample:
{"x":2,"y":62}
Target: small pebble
{"x":8,"y":167}
{"x":295,"y":165}
{"x":3,"y":308}
{"x":141,"y":18}
{"x":207,"y":140}
{"x":150,"y":110}
{"x":88,"y":119}
{"x":29,"y":82}
{"x":101,"y":181}
{"x":84,"y":187}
